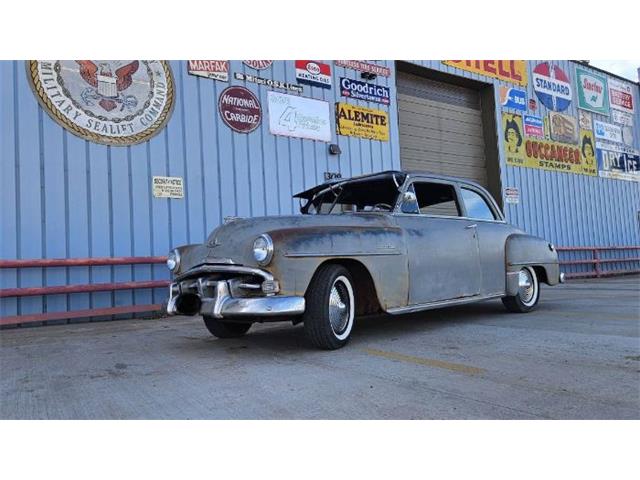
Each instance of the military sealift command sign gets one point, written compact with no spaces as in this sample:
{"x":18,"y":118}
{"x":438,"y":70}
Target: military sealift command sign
{"x":113,"y":102}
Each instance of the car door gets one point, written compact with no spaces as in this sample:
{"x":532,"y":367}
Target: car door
{"x":492,"y":233}
{"x":442,"y":247}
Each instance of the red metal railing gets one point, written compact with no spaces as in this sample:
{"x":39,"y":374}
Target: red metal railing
{"x":81,"y":288}
{"x":598,"y":262}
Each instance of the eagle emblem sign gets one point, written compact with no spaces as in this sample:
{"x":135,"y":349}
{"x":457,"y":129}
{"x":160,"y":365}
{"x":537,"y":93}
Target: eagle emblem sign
{"x":113,"y":102}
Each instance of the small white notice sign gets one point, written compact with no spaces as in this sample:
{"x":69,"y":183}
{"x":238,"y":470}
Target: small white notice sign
{"x":168,"y":187}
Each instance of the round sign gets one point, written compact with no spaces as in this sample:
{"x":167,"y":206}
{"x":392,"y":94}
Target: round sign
{"x":552,"y":86}
{"x":240,"y":109}
{"x":113,"y":102}
{"x":258,"y":64}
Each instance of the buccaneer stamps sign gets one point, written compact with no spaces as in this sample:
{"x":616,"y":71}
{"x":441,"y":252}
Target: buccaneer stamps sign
{"x":240,"y":109}
{"x":313,"y":73}
{"x":592,"y":91}
{"x":300,"y":117}
{"x":361,"y":66}
{"x":514,"y":71}
{"x":621,"y":94}
{"x":168,"y":187}
{"x":214,"y":69}
{"x":364,"y":91}
{"x":355,"y":121}
{"x":114,"y":102}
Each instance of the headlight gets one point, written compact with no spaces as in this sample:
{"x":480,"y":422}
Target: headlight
{"x":173,"y":260}
{"x":263,"y":249}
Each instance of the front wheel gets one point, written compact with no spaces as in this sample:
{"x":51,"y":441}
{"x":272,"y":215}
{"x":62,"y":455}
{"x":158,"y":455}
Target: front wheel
{"x":528,"y":292}
{"x":221,"y":329}
{"x":330,"y":307}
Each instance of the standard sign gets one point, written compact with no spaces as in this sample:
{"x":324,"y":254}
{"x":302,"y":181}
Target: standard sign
{"x":300,"y":117}
{"x":355,"y":121}
{"x":315,"y":74}
{"x":168,"y":187}
{"x":364,"y":91}
{"x":214,"y":69}
{"x":552,"y":86}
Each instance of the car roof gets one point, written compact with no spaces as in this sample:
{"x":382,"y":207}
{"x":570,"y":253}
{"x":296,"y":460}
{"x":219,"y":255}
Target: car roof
{"x":309,"y":193}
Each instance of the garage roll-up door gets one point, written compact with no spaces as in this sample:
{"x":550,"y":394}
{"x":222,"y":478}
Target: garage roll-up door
{"x":440,"y":128}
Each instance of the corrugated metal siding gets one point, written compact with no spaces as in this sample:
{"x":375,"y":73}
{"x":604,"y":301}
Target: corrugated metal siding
{"x":65,"y":197}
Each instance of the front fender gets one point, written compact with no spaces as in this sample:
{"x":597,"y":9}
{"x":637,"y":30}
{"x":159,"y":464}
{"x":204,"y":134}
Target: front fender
{"x":521,"y":250}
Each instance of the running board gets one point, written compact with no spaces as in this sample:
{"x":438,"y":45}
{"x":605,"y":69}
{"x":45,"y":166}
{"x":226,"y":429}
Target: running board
{"x":442,"y":303}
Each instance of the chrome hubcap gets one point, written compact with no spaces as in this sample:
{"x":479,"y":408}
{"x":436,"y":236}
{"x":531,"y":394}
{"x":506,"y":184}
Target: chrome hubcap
{"x":339,"y":307}
{"x":527,"y":288}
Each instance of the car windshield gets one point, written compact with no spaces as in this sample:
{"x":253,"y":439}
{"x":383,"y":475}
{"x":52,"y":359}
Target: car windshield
{"x":370,"y":195}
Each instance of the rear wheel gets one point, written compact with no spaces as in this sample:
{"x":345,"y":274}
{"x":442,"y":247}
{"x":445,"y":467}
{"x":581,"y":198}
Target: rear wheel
{"x":221,"y":329}
{"x":330,"y":307}
{"x":528,"y":292}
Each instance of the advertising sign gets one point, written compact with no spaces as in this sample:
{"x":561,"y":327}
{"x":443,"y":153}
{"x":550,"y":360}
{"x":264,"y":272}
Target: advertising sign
{"x":364,"y":91}
{"x":618,"y":162}
{"x":258,"y":64}
{"x":240,"y":109}
{"x":214,"y":69}
{"x":592,"y":91}
{"x":514,"y":71}
{"x":585,"y":119}
{"x":511,"y":195}
{"x":513,"y":98}
{"x":607,"y":131}
{"x":621,"y":94}
{"x":300,"y":117}
{"x":361,"y":66}
{"x":533,"y":126}
{"x":312,"y":73}
{"x":355,"y":121}
{"x":292,"y":87}
{"x":552,"y":86}
{"x":113,"y":102}
{"x":563,"y":128}
{"x":168,"y":187}
{"x":533,"y":153}
{"x":588,"y":152}
{"x":622,"y":118}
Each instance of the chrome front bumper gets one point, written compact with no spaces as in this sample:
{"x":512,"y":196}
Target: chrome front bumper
{"x":217,"y":301}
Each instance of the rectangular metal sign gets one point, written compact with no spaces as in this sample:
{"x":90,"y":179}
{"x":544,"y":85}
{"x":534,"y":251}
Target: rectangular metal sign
{"x":563,"y":128}
{"x":168,"y":187}
{"x":292,"y":87}
{"x":364,"y":91}
{"x":214,"y":69}
{"x":618,"y":162}
{"x":514,"y":71}
{"x":621,"y":95}
{"x":533,"y":126}
{"x":355,"y":121}
{"x":592,"y":91}
{"x":607,"y":131}
{"x":300,"y":117}
{"x":622,"y":118}
{"x":312,"y":73}
{"x":361,"y":66}
{"x":511,"y":97}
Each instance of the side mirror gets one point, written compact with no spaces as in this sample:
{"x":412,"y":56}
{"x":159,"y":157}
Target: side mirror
{"x":409,"y":203}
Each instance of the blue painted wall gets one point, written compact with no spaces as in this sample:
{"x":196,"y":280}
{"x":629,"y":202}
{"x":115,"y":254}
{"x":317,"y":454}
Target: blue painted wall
{"x":64,"y":197}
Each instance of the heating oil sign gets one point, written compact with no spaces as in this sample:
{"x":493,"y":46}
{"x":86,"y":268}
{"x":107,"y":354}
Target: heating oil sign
{"x":355,"y":121}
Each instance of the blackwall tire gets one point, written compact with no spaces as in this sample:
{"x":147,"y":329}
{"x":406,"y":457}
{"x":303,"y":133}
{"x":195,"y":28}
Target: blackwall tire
{"x":221,"y":329}
{"x":528,"y":294}
{"x":330,"y":308}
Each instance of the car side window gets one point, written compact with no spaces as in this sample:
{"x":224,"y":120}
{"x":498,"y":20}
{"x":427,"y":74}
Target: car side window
{"x":476,"y":205}
{"x":436,"y":199}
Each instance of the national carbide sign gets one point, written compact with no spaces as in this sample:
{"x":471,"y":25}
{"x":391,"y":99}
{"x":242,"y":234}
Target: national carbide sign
{"x":364,"y":91}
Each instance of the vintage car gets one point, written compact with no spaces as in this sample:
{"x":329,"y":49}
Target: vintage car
{"x":391,"y":242}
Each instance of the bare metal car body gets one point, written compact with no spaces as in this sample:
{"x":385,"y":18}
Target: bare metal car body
{"x":400,"y":262}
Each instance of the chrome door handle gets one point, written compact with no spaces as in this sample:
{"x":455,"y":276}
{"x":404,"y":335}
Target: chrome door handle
{"x":471,"y":226}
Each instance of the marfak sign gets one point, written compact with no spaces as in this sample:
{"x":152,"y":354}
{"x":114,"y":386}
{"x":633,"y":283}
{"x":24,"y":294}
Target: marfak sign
{"x":214,"y":69}
{"x":514,"y":71}
{"x":364,"y":91}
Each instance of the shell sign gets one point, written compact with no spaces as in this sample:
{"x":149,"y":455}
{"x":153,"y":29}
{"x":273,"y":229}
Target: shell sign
{"x":514,"y":71}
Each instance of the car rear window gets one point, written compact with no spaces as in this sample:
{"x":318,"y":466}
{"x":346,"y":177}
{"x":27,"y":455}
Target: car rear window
{"x":437,"y":199}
